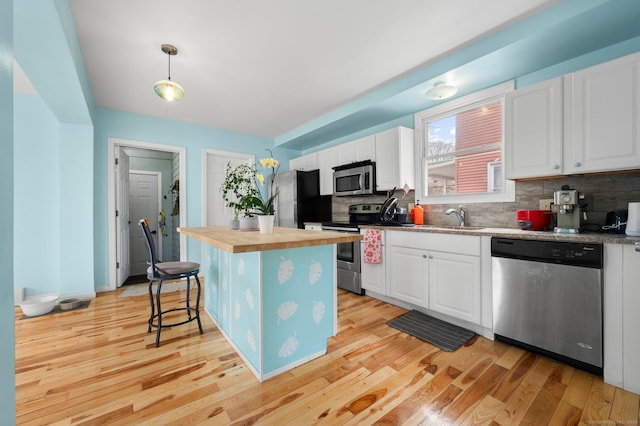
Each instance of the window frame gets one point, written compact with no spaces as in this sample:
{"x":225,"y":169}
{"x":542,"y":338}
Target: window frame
{"x":421,"y":120}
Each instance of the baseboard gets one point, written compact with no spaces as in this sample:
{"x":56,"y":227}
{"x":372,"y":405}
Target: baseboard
{"x":18,"y":296}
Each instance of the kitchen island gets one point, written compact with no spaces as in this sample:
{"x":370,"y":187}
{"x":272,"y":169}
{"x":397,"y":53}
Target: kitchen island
{"x":273,"y":296}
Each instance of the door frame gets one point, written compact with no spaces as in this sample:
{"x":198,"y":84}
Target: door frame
{"x":206,"y":153}
{"x":158,"y":176}
{"x":111,"y":197}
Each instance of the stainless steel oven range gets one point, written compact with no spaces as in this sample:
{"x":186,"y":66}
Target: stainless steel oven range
{"x":348,"y":257}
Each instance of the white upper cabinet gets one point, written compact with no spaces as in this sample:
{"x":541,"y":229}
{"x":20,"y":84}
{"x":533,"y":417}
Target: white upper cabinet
{"x":327,"y":159}
{"x":392,"y":150}
{"x":357,"y":150}
{"x":533,"y":130}
{"x":346,"y":154}
{"x":306,"y":162}
{"x":583,"y":122}
{"x":365,"y":148}
{"x":602,"y":116}
{"x":394,"y":159}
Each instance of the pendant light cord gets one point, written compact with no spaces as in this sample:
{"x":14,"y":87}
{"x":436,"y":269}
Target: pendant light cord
{"x":169,"y":55}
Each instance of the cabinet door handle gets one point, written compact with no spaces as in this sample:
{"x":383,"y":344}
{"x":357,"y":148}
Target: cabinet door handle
{"x":430,"y":257}
{"x":637,"y":246}
{"x":556,"y":166}
{"x":424,"y":256}
{"x":578,"y":164}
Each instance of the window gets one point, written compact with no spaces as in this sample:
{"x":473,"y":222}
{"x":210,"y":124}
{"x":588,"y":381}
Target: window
{"x":459,"y":144}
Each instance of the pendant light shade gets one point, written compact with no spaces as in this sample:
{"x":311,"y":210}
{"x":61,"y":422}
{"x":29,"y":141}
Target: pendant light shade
{"x":441,"y":90}
{"x":168,"y":90}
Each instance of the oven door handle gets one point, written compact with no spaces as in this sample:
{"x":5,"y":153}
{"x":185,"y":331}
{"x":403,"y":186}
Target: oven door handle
{"x":339,"y":229}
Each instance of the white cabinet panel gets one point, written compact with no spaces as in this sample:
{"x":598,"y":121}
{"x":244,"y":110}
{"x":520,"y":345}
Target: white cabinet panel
{"x":327,"y":159}
{"x":373,"y":275}
{"x":533,"y":130}
{"x":631,"y":318}
{"x":454,"y":285}
{"x":365,"y":148}
{"x":394,"y":150}
{"x":346,"y":154}
{"x":408,"y":275}
{"x":306,"y":162}
{"x":602,"y":117}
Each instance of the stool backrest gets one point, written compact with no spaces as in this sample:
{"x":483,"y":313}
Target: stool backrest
{"x":151,"y":247}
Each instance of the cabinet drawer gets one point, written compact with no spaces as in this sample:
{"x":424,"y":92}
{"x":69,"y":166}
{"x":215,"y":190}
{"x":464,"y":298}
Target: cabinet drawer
{"x":460,"y":244}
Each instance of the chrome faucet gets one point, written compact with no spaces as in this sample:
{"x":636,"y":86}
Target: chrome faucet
{"x":458,"y":213}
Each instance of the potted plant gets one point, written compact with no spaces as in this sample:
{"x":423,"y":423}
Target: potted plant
{"x":264,"y":205}
{"x":239,"y":190}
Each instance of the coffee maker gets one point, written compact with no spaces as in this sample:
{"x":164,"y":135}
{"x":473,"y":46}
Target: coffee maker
{"x":567,"y":204}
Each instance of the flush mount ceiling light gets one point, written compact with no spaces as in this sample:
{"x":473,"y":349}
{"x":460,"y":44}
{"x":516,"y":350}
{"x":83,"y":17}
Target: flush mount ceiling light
{"x":167,"y":89}
{"x":441,"y":90}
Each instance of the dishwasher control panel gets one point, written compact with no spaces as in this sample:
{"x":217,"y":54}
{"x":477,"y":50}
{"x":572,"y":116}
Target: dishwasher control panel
{"x":567,"y":253}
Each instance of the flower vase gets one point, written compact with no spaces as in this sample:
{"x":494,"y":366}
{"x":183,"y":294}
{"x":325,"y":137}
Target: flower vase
{"x":266,"y":223}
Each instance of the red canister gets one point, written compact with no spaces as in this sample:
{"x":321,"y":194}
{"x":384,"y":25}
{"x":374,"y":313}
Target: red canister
{"x":533,"y":220}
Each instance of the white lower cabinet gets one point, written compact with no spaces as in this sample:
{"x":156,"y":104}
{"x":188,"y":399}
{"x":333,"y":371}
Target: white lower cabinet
{"x":409,"y":275}
{"x":454,"y":285}
{"x":372,"y":275}
{"x":440,"y":272}
{"x":630,"y":318}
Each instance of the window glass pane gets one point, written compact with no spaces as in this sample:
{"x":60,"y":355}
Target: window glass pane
{"x":459,"y":149}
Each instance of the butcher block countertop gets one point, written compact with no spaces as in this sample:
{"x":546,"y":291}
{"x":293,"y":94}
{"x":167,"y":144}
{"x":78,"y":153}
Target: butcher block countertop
{"x":235,"y":241}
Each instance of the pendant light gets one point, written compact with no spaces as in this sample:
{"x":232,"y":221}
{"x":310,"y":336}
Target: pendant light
{"x":441,"y":90}
{"x":167,"y":89}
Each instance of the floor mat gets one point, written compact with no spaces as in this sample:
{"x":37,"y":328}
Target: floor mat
{"x":447,"y":337}
{"x":136,"y":279}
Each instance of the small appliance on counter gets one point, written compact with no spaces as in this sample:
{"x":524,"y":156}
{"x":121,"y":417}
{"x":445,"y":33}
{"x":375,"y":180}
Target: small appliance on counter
{"x":391,"y":214}
{"x":633,"y":220}
{"x":616,"y":222}
{"x":569,"y":209}
{"x":533,"y":220}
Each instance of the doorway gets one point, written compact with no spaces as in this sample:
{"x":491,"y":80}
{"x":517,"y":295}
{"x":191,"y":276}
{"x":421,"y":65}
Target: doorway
{"x":121,"y":227}
{"x":145,"y":200}
{"x":215,"y":212}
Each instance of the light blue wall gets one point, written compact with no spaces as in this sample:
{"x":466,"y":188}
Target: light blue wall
{"x":121,"y":125}
{"x":584,"y":61}
{"x":7,"y":350}
{"x":37,"y":199}
{"x":76,"y":209}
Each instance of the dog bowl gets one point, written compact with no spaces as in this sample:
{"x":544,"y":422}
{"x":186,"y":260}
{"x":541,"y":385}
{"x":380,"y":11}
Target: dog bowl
{"x":69,"y":304}
{"x":38,"y":305}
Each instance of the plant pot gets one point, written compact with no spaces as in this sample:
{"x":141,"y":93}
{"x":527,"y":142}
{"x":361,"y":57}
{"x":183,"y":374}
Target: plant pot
{"x":234,"y":224}
{"x":266,"y":223}
{"x":249,"y":224}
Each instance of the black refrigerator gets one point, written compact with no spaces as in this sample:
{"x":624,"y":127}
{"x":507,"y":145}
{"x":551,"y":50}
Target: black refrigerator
{"x":299,"y":199}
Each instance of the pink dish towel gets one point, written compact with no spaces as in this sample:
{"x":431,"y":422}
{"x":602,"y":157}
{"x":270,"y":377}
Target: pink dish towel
{"x":372,"y":246}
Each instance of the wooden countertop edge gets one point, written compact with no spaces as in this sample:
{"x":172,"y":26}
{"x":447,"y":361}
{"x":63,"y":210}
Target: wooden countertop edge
{"x":249,"y":241}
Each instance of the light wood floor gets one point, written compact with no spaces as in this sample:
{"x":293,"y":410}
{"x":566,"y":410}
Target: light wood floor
{"x":99,"y":366}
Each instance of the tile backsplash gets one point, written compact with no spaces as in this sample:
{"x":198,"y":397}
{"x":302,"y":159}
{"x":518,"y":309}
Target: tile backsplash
{"x":603,"y":193}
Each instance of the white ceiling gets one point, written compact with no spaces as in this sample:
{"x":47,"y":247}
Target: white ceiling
{"x":267,"y":67}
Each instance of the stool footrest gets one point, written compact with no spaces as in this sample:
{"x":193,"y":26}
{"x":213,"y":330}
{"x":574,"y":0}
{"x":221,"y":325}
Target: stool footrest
{"x":194,"y":318}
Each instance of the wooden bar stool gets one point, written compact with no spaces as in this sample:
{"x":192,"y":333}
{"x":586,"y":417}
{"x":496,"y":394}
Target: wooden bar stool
{"x":159,"y":272}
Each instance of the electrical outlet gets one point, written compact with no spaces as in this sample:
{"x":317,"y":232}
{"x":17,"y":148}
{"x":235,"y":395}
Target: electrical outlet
{"x":546,"y":204}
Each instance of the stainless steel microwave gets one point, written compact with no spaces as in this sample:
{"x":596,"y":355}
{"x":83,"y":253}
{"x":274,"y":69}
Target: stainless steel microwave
{"x":355,"y":179}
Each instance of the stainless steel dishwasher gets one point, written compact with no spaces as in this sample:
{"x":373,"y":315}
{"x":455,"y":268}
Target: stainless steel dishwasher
{"x":547,"y":298}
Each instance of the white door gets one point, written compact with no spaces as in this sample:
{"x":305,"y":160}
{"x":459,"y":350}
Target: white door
{"x":144,"y":202}
{"x":216,"y":212}
{"x":122,"y":216}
